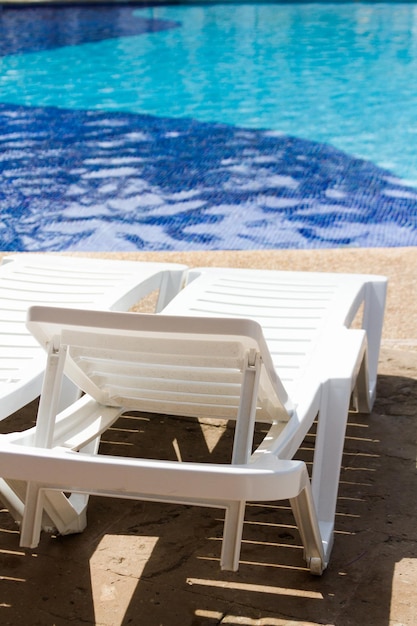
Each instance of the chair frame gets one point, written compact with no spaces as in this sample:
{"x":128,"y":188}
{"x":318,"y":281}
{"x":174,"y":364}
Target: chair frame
{"x":340,"y":372}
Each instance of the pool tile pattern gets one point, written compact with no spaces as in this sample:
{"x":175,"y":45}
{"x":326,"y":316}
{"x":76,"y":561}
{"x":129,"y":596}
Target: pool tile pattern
{"x":26,"y":29}
{"x":95,"y":180}
{"x":92,"y":180}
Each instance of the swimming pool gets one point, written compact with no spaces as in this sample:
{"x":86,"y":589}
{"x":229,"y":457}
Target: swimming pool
{"x":208,"y":126}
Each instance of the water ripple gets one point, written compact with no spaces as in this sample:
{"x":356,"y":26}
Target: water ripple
{"x":93,"y":180}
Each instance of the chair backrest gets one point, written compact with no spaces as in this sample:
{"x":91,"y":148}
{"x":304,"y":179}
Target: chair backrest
{"x":295,"y":309}
{"x":163,"y":364}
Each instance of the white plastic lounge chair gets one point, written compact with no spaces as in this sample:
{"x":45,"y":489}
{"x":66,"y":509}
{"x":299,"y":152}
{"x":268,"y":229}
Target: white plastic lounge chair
{"x":68,"y":281}
{"x":308,"y":365}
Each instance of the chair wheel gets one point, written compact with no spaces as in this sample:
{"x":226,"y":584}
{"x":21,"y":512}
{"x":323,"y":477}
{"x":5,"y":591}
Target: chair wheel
{"x":317,"y":566}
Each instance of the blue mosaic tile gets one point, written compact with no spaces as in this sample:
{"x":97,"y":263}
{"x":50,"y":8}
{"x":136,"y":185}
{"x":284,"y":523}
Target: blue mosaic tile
{"x":92,"y":180}
{"x":47,"y":27}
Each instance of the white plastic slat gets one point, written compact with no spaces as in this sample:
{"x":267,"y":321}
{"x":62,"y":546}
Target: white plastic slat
{"x":161,"y":371}
{"x":18,"y":342}
{"x":304,"y":314}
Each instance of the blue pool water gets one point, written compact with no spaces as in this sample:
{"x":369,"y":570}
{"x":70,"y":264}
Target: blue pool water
{"x":208,"y":126}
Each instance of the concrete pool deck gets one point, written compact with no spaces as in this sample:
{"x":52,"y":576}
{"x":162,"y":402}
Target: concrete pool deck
{"x":150,"y":564}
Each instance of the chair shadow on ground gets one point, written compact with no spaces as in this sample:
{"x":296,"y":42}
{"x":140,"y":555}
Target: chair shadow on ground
{"x":155,"y":564}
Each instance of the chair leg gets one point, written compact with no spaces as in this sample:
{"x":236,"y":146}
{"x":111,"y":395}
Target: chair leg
{"x":12,"y":499}
{"x":373,"y":319}
{"x":361,"y":399}
{"x":328,"y":454}
{"x":32,"y":517}
{"x":68,"y":514}
{"x":306,"y":520}
{"x":242,"y":448}
{"x":232,"y":536}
